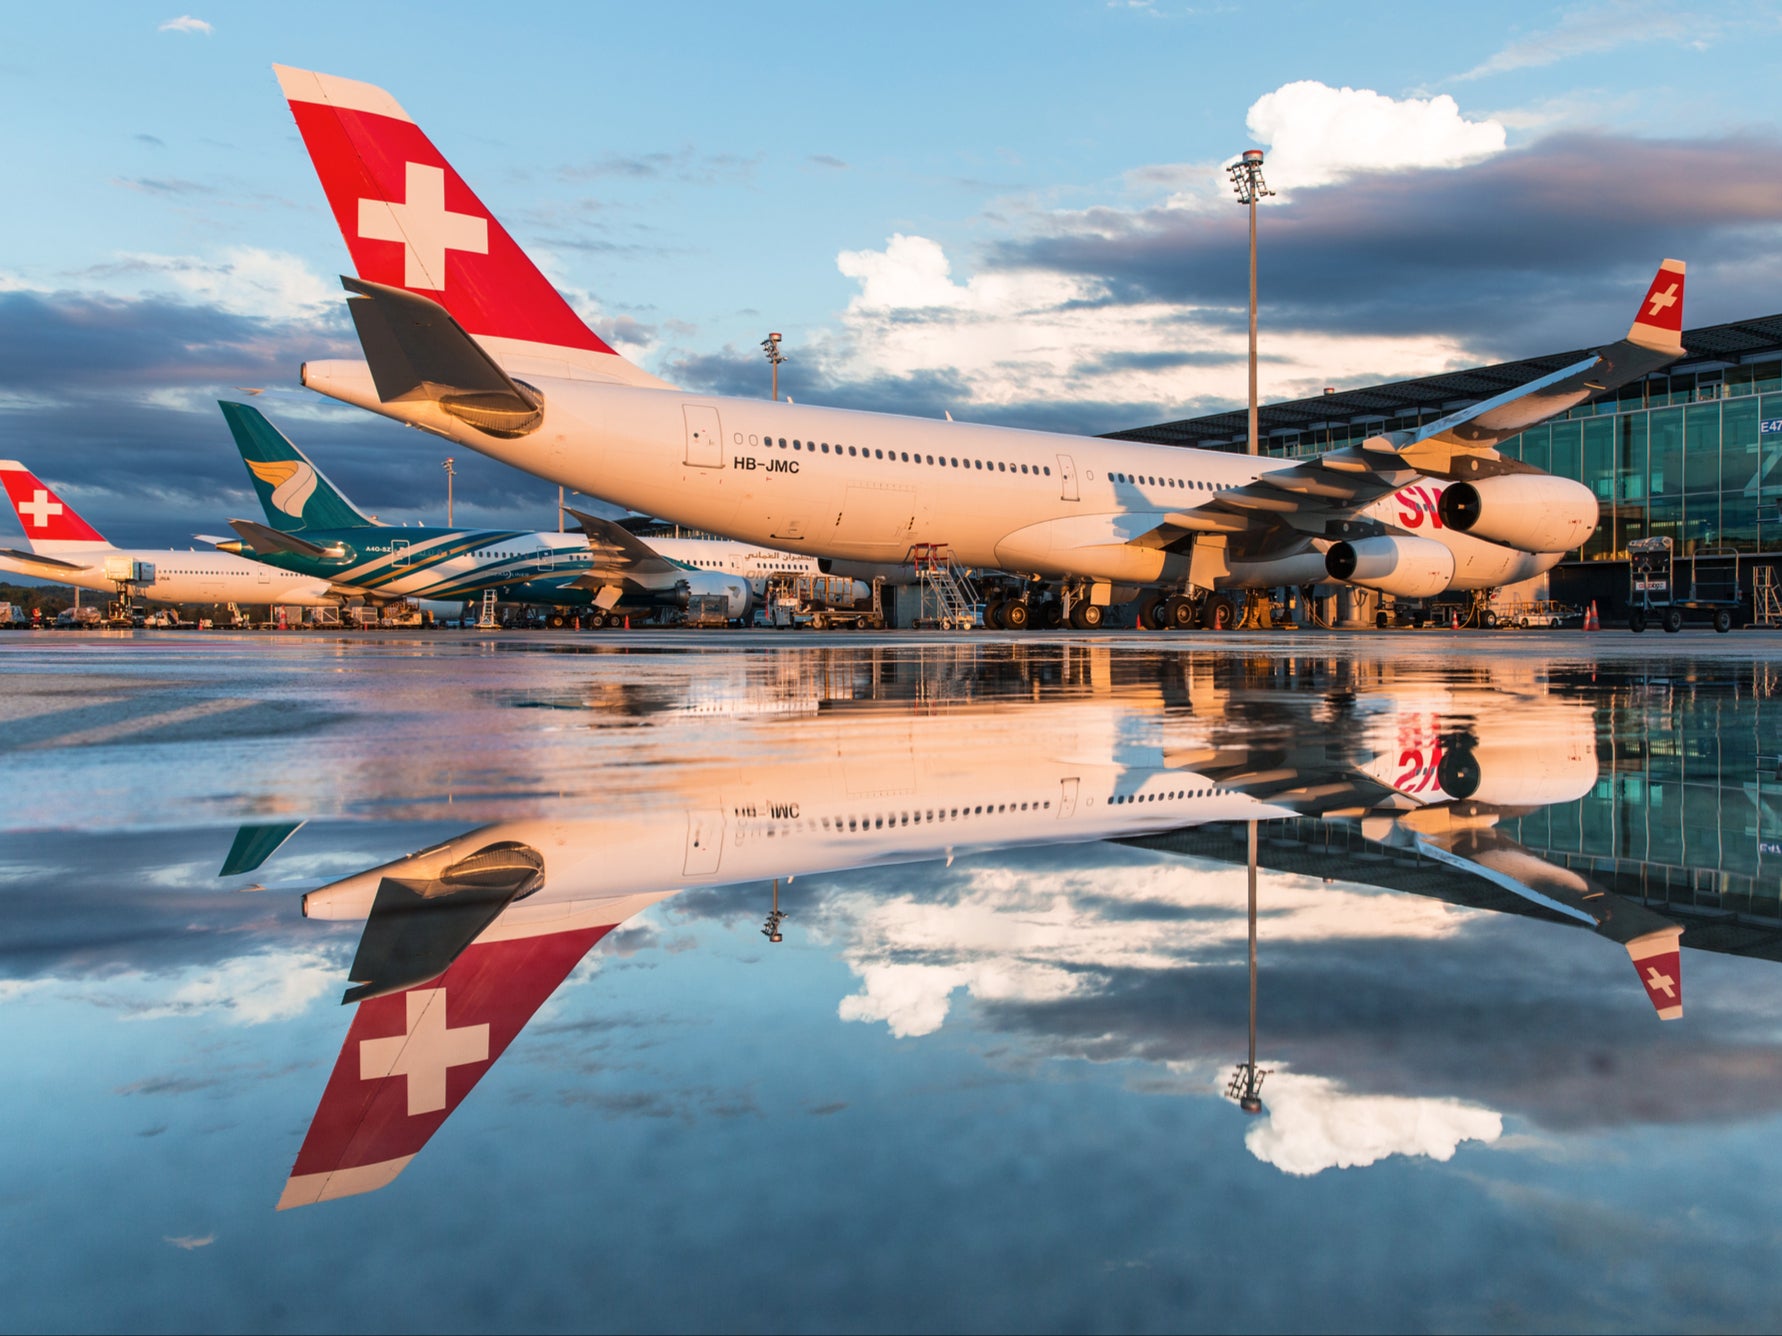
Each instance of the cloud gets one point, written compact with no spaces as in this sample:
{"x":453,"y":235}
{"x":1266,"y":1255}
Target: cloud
{"x":827,"y":160}
{"x":1313,"y":1124}
{"x":186,"y":23}
{"x":189,"y":1242}
{"x":1319,"y":134}
{"x":1593,"y":29}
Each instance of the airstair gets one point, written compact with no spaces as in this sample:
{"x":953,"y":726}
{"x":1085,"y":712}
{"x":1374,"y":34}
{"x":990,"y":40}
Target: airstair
{"x":1766,"y":597}
{"x":948,"y":599}
{"x":486,"y":619}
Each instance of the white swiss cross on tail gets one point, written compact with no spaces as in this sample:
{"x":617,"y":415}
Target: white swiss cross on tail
{"x":425,"y":226}
{"x":428,"y":1050}
{"x":39,"y":509}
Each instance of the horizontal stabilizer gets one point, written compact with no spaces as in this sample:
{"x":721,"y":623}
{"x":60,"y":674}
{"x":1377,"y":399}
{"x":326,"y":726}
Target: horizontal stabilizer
{"x":418,"y":928}
{"x":617,"y":548}
{"x":416,"y":351}
{"x":50,"y":563}
{"x":264,"y":538}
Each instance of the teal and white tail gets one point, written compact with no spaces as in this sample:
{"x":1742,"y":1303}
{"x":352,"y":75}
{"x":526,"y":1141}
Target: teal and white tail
{"x":293,"y":492}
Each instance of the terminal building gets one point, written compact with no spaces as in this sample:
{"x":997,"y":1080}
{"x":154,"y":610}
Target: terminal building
{"x":1692,"y":453}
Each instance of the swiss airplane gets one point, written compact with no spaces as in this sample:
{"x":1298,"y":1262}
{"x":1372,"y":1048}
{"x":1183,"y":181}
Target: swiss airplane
{"x":66,"y":549}
{"x":465,"y":338}
{"x":464,"y":941}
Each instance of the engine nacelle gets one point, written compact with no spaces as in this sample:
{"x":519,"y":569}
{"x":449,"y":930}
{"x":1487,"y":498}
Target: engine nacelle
{"x":733,"y":589}
{"x":1535,"y":512}
{"x":1392,"y":563}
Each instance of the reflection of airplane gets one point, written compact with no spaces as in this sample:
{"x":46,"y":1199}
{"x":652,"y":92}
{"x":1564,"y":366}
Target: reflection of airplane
{"x":312,"y":528}
{"x":66,"y":549}
{"x":465,"y":338}
{"x":464,"y":940}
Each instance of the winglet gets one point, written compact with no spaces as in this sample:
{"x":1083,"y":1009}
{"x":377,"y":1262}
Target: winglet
{"x":1658,"y":961}
{"x":1659,"y":325}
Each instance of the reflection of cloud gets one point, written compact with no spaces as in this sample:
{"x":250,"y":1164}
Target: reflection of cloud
{"x":1024,"y":931}
{"x":1313,"y":1124}
{"x":190,"y":1241}
{"x":186,"y":23}
{"x":250,"y":990}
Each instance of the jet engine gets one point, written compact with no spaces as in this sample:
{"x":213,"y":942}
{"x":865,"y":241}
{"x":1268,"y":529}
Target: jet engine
{"x":733,"y":589}
{"x":1392,"y":563}
{"x":1535,"y":512}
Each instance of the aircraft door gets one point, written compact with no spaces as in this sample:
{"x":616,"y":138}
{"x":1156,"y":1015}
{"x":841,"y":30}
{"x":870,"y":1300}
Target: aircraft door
{"x":705,"y":843}
{"x":399,"y":552}
{"x":705,"y":436}
{"x":1067,"y":797}
{"x":1067,"y":472}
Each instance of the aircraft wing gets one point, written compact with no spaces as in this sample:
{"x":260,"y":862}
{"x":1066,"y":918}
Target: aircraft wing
{"x":622,"y":554}
{"x":1342,"y":481}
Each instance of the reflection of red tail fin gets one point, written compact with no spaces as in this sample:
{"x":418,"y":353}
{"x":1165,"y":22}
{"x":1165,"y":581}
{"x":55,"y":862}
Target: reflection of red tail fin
{"x":1659,"y":963}
{"x":410,"y":221}
{"x":49,"y":522}
{"x":410,"y":1058}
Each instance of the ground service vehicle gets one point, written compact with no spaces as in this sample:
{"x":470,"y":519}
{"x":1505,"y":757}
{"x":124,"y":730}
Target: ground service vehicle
{"x":1664,"y":590}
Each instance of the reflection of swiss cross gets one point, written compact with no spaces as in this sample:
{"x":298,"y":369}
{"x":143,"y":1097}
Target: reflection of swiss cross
{"x":1661,"y":302}
{"x":39,"y":509}
{"x":423,"y":224}
{"x":1660,"y":983}
{"x":425,"y":1053}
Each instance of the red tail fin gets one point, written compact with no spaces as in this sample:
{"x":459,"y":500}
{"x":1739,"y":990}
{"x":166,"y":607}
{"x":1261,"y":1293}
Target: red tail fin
{"x":410,"y":1058}
{"x":1658,"y":960}
{"x":1659,"y":325}
{"x":410,"y":221}
{"x":49,"y":522}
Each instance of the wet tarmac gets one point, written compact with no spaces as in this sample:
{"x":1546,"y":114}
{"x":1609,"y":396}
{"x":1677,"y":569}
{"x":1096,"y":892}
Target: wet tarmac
{"x":644,"y":981}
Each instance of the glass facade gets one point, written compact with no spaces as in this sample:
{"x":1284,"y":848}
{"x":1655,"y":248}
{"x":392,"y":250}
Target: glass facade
{"x":1695,"y":456}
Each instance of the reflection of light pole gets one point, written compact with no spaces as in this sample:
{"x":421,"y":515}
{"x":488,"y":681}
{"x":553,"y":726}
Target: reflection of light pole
{"x":774,"y":357}
{"x":1246,"y":180}
{"x":774,"y":917}
{"x":450,"y":474}
{"x":1246,"y":1082}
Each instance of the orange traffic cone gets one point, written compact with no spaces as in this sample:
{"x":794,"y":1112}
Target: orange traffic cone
{"x":1454,"y":620}
{"x":1591,"y":622}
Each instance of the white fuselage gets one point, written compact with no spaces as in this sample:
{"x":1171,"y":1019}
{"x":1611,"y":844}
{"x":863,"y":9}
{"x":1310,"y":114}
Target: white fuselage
{"x":867,"y":487}
{"x":188,"y":576}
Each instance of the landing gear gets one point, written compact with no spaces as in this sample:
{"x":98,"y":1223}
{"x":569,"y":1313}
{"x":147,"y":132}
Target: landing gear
{"x":1017,"y":615}
{"x":1051,"y":614}
{"x":1180,"y":614}
{"x":1149,"y":612}
{"x":995,"y":615}
{"x":1087,"y":616}
{"x":1220,"y":613}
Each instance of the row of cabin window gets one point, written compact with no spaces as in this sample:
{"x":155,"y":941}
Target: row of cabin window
{"x":944,"y":461}
{"x":934,"y":814}
{"x":1121,"y":798}
{"x":1149,"y":481}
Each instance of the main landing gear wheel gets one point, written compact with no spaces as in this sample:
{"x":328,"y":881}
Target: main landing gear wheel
{"x":596,"y":620}
{"x":1017,"y":614}
{"x":1221,"y":613}
{"x":1179,"y":613}
{"x":1149,"y":612}
{"x":1673,"y":620}
{"x":994,"y":615}
{"x":1086,"y":616}
{"x":1051,"y":614}
{"x":1723,"y":621}
{"x":1636,"y":620}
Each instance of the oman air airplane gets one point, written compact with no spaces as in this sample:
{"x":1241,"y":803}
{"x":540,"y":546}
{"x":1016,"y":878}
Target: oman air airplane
{"x":66,"y":549}
{"x":605,"y":569}
{"x":465,"y":338}
{"x":466,"y":939}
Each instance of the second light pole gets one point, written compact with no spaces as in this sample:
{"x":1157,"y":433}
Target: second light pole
{"x":771,"y":345}
{"x":1246,"y":180}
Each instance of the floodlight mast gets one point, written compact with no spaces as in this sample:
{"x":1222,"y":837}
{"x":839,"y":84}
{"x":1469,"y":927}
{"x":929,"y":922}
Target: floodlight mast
{"x":450,"y":473}
{"x":1247,"y":183}
{"x":771,"y":346}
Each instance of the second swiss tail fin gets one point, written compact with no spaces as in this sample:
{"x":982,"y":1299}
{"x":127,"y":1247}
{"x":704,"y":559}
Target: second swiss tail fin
{"x":293,"y":492}
{"x":411,"y":222}
{"x":49,"y":522}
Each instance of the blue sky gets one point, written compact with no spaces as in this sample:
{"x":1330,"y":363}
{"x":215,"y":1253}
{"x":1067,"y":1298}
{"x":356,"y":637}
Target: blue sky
{"x":1012,"y":213}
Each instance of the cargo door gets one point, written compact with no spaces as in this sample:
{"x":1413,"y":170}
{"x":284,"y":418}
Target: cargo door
{"x":705,"y":436}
